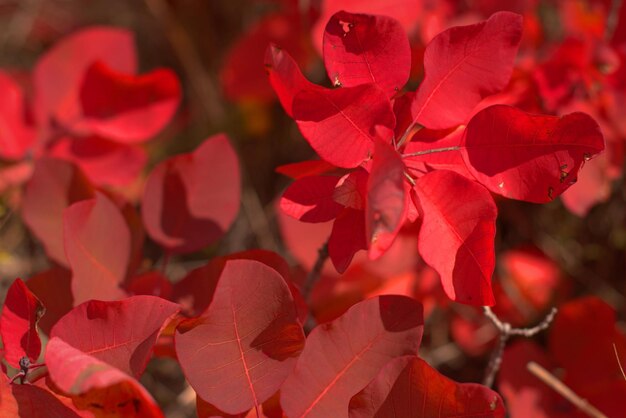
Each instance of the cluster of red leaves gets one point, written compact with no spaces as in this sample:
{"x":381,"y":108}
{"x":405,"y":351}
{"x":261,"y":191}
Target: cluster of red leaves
{"x":87,"y":105}
{"x":426,"y":157}
{"x":414,"y":168}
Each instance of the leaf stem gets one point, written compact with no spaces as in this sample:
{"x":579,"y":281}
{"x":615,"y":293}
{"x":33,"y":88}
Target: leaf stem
{"x":506,"y":331}
{"x":431,"y":151}
{"x":316,"y":271}
{"x":563,"y":390}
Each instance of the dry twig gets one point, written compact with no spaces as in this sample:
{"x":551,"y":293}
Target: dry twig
{"x":563,"y":390}
{"x":506,"y":331}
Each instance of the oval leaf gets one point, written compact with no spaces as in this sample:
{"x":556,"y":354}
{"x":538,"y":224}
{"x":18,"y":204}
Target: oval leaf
{"x":97,"y":244}
{"x":463,"y":65}
{"x":361,"y":49}
{"x":239,"y":351}
{"x":387,"y":199}
{"x":529,"y":157}
{"x":339,"y":124}
{"x":18,"y":324}
{"x":125,"y":107}
{"x":340,"y":358}
{"x":407,"y":388}
{"x":54,"y":186}
{"x":190,"y":200}
{"x":457,"y":235}
{"x":311,"y":199}
{"x":120,"y":333}
{"x":95,"y":385}
{"x":17,"y":135}
{"x":58,"y":74}
{"x":105,"y":162}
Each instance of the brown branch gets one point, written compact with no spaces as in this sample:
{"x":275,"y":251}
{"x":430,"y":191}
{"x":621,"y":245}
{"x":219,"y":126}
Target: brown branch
{"x":563,"y":390}
{"x":203,"y":85}
{"x":309,"y":283}
{"x":619,"y":363}
{"x":315,"y":273}
{"x":506,"y":331}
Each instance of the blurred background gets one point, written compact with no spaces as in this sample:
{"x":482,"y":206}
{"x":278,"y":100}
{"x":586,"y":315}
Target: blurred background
{"x":572,"y":58}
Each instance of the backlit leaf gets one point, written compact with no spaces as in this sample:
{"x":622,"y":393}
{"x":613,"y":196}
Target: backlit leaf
{"x":341,"y":357}
{"x":240,"y":350}
{"x":18,"y":324}
{"x":54,"y":186}
{"x":361,"y":49}
{"x":421,"y":391}
{"x":125,"y":107}
{"x":97,"y":245}
{"x":463,"y":65}
{"x":529,"y":157}
{"x":457,"y":235}
{"x":97,"y":386}
{"x":59,"y":73}
{"x":120,"y":333}
{"x":190,"y":200}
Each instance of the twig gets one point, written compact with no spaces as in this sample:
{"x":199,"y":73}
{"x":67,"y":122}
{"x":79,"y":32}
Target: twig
{"x":203,"y":85}
{"x":563,"y":390}
{"x":316,"y":271}
{"x":619,"y":363}
{"x":506,"y":331}
{"x":612,"y":19}
{"x":431,"y":151}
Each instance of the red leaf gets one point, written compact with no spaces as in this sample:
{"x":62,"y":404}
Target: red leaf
{"x":311,"y":199}
{"x":592,"y":188}
{"x":96,"y":386}
{"x":119,"y":333}
{"x":239,"y":351}
{"x":342,"y":124}
{"x":457,"y":235}
{"x":525,"y":394}
{"x":105,"y":162}
{"x":361,"y":49}
{"x":243,"y":81}
{"x":150,"y":283}
{"x":285,"y":77}
{"x":347,"y":238}
{"x":18,"y":324}
{"x":305,"y":168}
{"x":421,"y":391}
{"x":17,"y":135}
{"x":463,"y":65}
{"x":54,"y":186}
{"x":125,"y":107}
{"x":59,"y":73}
{"x":529,"y":157}
{"x":342,"y":357}
{"x":190,"y":200}
{"x":53,"y":288}
{"x":31,"y":401}
{"x":351,"y":190}
{"x":588,"y":357}
{"x":195,"y":291}
{"x":387,"y":199}
{"x":407,"y":12}
{"x":97,"y":245}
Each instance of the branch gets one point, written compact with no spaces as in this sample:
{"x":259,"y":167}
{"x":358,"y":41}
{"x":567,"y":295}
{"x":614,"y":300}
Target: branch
{"x":316,"y":271}
{"x":431,"y":151}
{"x":563,"y":390}
{"x":506,"y":331}
{"x":619,"y":363}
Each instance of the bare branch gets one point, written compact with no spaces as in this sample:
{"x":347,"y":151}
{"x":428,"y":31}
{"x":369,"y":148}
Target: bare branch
{"x":506,"y":331}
